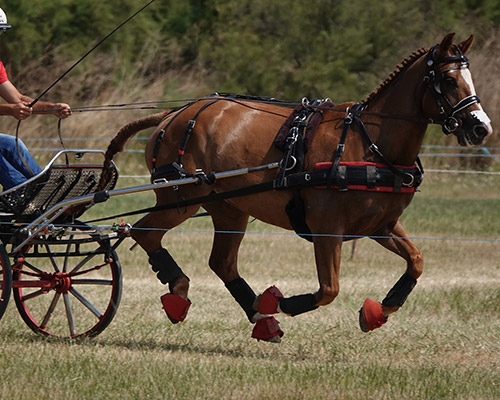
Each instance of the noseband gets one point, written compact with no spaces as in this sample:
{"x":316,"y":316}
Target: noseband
{"x":433,"y":79}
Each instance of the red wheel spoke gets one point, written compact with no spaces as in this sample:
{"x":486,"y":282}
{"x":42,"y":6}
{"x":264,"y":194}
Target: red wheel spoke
{"x":52,"y":259}
{"x":68,"y":248}
{"x":38,"y":271}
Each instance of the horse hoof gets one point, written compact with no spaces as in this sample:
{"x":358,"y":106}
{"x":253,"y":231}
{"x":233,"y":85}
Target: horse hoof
{"x":371,"y":316}
{"x":175,"y":306}
{"x":268,"y":301}
{"x":267,"y":329}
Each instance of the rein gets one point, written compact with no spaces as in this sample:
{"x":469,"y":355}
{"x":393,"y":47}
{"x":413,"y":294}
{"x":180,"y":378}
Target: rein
{"x":66,"y":73}
{"x":88,"y":52}
{"x":149,"y":105}
{"x":431,"y":76}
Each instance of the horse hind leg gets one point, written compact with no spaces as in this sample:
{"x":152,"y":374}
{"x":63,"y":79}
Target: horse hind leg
{"x":374,"y":314}
{"x":148,"y":233}
{"x":230,"y":226}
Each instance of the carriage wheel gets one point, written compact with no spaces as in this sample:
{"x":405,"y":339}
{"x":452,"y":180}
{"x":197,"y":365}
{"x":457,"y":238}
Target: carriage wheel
{"x":5,"y":280}
{"x":68,"y":293}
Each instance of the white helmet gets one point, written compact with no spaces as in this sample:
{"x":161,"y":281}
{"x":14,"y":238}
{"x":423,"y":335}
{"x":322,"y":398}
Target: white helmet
{"x":3,"y":20}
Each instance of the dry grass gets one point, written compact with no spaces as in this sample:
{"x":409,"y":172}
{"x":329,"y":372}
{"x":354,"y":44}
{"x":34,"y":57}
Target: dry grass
{"x":443,"y":344}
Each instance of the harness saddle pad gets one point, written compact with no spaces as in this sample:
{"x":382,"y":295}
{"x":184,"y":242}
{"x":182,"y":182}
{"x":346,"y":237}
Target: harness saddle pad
{"x":314,"y":117}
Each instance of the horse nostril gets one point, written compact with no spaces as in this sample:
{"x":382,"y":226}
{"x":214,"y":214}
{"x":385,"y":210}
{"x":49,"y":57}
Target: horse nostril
{"x":480,"y":131}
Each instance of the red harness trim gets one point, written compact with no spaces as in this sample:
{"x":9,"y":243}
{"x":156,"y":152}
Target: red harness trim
{"x":387,"y":189}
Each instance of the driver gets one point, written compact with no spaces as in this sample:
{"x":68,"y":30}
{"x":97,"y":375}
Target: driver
{"x":16,"y":163}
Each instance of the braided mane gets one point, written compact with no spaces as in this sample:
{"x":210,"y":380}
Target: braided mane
{"x":403,"y":66}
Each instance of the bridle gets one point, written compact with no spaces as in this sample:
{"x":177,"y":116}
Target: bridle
{"x":433,"y":78}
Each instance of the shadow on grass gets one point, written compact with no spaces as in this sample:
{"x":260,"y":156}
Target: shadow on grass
{"x":235,"y":348}
{"x":7,"y":334}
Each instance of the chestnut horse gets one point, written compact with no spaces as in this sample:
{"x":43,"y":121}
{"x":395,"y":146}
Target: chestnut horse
{"x":430,"y":86}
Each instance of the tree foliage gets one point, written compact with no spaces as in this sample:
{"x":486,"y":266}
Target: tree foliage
{"x":336,"y":48}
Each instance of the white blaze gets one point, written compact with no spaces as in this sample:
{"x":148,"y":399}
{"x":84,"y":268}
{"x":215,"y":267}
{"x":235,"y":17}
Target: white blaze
{"x":478,"y":114}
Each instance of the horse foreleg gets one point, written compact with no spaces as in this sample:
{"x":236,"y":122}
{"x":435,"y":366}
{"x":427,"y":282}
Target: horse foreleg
{"x":327,"y":252}
{"x":327,"y":255}
{"x":148,"y":233}
{"x":395,"y":239}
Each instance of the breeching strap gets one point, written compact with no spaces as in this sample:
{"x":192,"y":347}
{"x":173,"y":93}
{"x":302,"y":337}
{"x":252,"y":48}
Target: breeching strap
{"x":190,"y":126}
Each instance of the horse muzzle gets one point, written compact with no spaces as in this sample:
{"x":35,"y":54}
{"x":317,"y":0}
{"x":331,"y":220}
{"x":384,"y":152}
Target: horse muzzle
{"x":472,"y":131}
{"x":473,"y":137}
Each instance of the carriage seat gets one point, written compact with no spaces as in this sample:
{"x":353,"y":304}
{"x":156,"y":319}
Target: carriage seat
{"x":57,"y":182}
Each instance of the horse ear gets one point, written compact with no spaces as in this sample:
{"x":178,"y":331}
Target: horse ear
{"x":466,"y":44}
{"x":446,"y":43}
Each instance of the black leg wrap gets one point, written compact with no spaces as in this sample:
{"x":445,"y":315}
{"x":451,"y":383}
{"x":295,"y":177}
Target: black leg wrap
{"x":296,"y":305}
{"x":398,"y":294}
{"x":244,"y":295}
{"x":167,"y":269}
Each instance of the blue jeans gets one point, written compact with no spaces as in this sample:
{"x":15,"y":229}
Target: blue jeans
{"x":12,"y":170}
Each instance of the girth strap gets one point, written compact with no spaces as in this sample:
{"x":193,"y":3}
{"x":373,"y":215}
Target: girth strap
{"x":361,"y":176}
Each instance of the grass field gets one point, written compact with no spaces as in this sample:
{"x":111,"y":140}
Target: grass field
{"x":443,"y":344}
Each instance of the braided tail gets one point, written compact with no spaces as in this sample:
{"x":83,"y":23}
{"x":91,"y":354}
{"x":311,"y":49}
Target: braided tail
{"x":118,"y":142}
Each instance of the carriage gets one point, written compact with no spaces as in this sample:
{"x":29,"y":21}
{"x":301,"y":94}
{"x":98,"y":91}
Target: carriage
{"x":332,"y":173}
{"x":66,"y":279}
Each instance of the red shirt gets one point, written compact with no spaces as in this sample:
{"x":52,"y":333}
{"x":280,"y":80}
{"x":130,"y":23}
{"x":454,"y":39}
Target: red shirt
{"x":3,"y":74}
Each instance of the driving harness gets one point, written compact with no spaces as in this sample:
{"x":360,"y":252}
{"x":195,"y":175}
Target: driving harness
{"x":293,"y":139}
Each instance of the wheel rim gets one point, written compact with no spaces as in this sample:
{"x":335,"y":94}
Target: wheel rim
{"x":67,"y":288}
{"x":5,"y":280}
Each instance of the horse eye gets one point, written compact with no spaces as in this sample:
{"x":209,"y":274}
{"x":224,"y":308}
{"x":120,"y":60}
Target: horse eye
{"x":451,"y":82}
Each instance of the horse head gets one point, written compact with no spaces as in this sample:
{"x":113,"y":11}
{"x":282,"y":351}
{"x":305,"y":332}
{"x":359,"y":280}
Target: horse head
{"x":453,"y":102}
